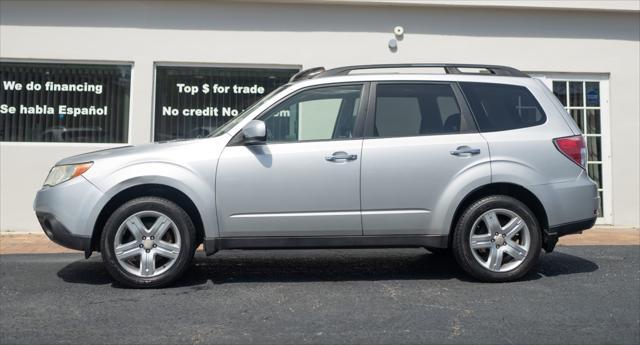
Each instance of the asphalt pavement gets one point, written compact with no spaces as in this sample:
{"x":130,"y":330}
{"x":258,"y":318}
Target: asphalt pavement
{"x":576,"y":295}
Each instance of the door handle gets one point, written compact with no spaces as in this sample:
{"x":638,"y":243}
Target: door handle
{"x":340,"y":155}
{"x":465,"y":151}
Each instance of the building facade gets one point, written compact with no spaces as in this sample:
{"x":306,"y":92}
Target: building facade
{"x":84,"y":76}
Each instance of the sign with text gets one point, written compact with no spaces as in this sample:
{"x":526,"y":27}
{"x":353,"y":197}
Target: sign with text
{"x":51,"y":102}
{"x":192,"y":102}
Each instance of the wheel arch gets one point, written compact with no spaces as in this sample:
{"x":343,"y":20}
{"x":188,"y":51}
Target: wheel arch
{"x":516,"y":191}
{"x":141,"y":190}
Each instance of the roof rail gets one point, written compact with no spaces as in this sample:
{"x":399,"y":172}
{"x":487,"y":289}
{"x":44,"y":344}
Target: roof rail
{"x":448,"y":68}
{"x":307,"y":74}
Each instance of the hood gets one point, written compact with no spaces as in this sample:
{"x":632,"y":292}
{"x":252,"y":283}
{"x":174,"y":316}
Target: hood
{"x":147,"y":150}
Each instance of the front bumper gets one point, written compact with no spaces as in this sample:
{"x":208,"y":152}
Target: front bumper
{"x":67,"y":212}
{"x":58,"y":233}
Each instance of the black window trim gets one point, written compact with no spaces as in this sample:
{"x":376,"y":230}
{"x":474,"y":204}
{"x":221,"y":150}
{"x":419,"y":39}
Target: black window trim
{"x":358,"y":128}
{"x":465,"y":111}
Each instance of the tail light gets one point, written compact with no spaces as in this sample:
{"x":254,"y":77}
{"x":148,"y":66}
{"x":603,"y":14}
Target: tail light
{"x":574,"y":148}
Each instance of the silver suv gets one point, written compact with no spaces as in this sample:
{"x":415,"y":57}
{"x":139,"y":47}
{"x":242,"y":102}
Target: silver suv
{"x":481,"y":161}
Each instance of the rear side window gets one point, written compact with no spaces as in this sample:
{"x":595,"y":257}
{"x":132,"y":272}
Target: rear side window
{"x":404,"y":110}
{"x":499,"y":107}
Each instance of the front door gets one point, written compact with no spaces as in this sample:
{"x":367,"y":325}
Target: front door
{"x":422,"y":149}
{"x":305,"y":180}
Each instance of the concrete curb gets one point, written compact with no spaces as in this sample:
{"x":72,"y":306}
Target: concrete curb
{"x":38,"y":243}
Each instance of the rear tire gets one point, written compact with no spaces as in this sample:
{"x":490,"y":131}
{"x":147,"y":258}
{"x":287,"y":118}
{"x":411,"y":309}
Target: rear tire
{"x":497,"y":239}
{"x":148,"y":242}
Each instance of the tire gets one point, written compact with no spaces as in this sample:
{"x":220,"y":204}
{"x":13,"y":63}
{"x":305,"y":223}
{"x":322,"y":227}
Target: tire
{"x":519,"y":249}
{"x":142,"y":260}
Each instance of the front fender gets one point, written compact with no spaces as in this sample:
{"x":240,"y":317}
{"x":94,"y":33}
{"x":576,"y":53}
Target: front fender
{"x":196,"y":186}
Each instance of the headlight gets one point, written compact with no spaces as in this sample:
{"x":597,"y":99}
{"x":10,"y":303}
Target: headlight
{"x":62,"y":173}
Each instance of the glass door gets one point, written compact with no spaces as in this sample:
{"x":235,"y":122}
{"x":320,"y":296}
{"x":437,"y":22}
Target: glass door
{"x":586,"y":98}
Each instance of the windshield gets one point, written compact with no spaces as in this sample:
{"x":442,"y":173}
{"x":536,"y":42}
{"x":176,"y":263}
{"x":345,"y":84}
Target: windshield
{"x":227,"y":126}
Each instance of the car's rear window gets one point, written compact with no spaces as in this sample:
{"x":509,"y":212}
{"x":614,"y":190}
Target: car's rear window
{"x":500,"y":107}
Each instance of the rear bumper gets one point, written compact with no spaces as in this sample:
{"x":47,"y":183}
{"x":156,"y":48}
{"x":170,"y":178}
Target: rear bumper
{"x":572,"y":228}
{"x":571,"y":206}
{"x":568,"y":202}
{"x":555,"y":232}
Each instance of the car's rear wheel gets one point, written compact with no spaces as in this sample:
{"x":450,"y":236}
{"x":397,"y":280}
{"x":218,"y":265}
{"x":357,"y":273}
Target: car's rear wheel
{"x":497,"y":239}
{"x":148,"y":242}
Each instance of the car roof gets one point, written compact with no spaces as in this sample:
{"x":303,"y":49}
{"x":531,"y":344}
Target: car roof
{"x":409,"y":72}
{"x":413,"y":77}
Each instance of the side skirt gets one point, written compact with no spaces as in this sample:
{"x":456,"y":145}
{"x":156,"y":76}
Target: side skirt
{"x":212,"y":245}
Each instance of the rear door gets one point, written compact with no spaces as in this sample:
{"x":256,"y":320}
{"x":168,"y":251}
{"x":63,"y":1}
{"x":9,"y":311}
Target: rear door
{"x":420,"y":140}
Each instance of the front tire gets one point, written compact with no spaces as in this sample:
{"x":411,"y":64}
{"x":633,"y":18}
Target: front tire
{"x":148,"y":242}
{"x":497,"y":239}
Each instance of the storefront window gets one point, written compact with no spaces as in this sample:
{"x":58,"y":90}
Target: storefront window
{"x":192,"y":102}
{"x":58,"y":102}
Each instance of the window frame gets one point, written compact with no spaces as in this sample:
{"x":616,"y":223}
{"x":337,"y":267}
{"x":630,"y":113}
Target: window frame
{"x":358,"y":128}
{"x":465,"y":112}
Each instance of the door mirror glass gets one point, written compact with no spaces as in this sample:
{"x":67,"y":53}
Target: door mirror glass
{"x":255,"y":132}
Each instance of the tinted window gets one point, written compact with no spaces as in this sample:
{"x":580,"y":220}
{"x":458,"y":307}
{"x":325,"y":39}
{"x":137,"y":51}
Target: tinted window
{"x":316,"y":114}
{"x":58,"y":102}
{"x":404,"y":110}
{"x":499,"y":107}
{"x":194,"y":102}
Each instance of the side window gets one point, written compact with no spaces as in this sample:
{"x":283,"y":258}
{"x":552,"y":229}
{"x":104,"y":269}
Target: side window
{"x":500,"y":107}
{"x":404,"y":110}
{"x":316,"y":114}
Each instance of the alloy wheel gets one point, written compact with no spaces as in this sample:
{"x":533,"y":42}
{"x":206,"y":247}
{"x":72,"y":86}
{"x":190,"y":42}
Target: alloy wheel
{"x":147,"y":244}
{"x":500,"y":240}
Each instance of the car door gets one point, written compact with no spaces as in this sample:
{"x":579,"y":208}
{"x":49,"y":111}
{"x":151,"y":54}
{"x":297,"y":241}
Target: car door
{"x":421,"y":143}
{"x":305,"y":179}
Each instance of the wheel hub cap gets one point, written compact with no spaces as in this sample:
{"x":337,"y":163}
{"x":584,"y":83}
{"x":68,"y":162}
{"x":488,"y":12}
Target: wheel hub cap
{"x":499,"y":240}
{"x":148,"y":244}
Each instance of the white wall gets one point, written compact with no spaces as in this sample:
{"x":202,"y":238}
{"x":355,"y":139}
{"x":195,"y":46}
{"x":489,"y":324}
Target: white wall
{"x":316,"y":35}
{"x":608,"y":5}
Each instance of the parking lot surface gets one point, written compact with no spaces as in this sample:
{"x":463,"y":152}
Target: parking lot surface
{"x":583,"y":294}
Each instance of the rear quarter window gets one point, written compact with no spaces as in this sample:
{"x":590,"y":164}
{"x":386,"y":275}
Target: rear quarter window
{"x":500,"y":107}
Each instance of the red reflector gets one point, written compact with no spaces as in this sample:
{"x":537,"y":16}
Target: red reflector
{"x":574,"y":148}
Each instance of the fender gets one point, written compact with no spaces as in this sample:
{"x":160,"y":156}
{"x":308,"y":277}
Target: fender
{"x":516,"y":172}
{"x":465,"y":182}
{"x":198,"y":188}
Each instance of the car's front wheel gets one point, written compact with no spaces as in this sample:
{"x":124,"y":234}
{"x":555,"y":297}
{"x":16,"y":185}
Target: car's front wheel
{"x":497,"y":239}
{"x":148,"y":242}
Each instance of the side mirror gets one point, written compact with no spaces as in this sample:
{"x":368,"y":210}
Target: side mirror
{"x":255,"y":132}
